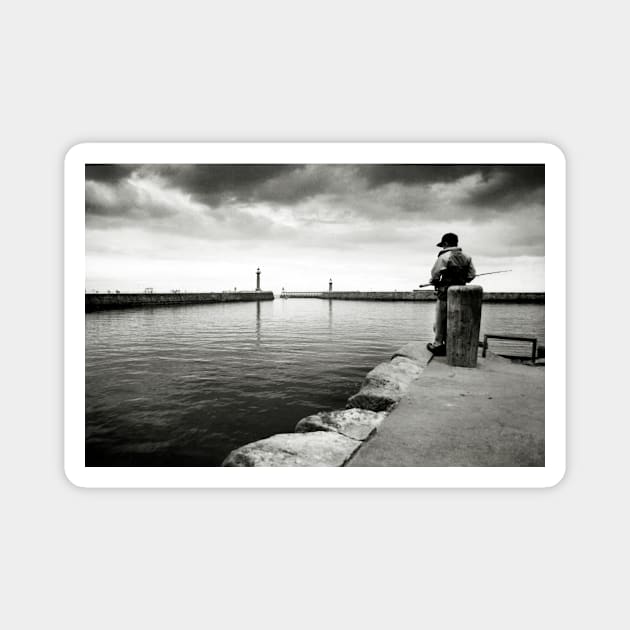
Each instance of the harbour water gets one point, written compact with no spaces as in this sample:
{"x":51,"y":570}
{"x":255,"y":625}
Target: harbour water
{"x":184,"y":385}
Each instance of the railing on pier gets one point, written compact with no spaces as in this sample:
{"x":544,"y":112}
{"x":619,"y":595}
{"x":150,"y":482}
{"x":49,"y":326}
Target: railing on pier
{"x":302,"y":294}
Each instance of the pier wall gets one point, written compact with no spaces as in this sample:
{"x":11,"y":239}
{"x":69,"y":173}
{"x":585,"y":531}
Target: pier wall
{"x":414,"y":296}
{"x":330,"y":438}
{"x":106,"y":301}
{"x":444,"y":418}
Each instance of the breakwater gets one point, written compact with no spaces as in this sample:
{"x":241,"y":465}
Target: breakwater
{"x":106,"y":301}
{"x":445,"y":418}
{"x":412,"y":296}
{"x":331,"y":438}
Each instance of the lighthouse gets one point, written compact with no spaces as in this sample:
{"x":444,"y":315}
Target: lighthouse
{"x":258,"y":279}
{"x":330,"y":285}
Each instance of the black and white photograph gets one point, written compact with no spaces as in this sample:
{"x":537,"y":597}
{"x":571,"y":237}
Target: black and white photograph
{"x":347,"y":315}
{"x":313,"y":316}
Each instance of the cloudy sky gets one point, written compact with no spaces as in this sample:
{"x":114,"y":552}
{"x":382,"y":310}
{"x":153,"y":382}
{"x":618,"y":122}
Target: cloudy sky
{"x":208,"y":227}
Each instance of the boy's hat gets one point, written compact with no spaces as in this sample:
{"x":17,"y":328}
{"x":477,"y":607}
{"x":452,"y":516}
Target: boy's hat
{"x":448,"y":240}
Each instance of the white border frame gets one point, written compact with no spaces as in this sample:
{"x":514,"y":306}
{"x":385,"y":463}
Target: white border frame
{"x":313,"y":153}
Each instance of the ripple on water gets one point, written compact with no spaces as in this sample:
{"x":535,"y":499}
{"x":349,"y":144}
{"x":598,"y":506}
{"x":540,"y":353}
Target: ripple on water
{"x":183,"y":386}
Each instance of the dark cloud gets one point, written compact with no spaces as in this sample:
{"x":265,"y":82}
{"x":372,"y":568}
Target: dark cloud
{"x":125,"y":201}
{"x":310,"y":181}
{"x":496,"y":186}
{"x":418,"y":174}
{"x":108,"y":173}
{"x":381,"y":174}
{"x":210,"y":183}
{"x":509,"y":185}
{"x":497,"y":183}
{"x":280,"y":201}
{"x":217,"y":183}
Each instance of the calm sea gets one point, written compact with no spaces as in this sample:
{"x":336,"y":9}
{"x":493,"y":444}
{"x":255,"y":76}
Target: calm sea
{"x":183,"y":386}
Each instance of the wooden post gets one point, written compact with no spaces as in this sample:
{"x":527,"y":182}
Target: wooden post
{"x":463,"y":308}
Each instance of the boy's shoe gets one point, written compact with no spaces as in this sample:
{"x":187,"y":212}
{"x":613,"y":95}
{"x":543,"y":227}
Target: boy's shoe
{"x":438,"y":349}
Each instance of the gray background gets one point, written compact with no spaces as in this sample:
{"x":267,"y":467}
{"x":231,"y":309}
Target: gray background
{"x":188,"y":71}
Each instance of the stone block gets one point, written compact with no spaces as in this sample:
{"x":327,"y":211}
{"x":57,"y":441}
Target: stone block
{"x":416,"y":351}
{"x":357,"y":424}
{"x":317,"y":448}
{"x":385,"y":385}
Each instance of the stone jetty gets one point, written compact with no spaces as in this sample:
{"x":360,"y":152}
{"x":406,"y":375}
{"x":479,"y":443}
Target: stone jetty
{"x":491,"y":415}
{"x":108,"y":301}
{"x":413,"y":296}
{"x":416,"y":410}
{"x":331,"y":438}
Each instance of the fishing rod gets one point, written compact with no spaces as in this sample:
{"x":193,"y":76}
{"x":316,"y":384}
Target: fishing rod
{"x":488,"y":273}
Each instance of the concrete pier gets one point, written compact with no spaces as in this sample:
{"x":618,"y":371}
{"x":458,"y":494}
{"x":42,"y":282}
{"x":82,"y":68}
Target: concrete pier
{"x":106,"y":301}
{"x":493,"y":415}
{"x":415,"y":410}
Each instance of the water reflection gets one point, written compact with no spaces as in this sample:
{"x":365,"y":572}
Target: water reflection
{"x":258,"y":324}
{"x":330,"y":315}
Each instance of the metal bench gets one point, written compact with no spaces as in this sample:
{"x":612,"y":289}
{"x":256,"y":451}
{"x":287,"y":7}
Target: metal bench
{"x":532,"y":340}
